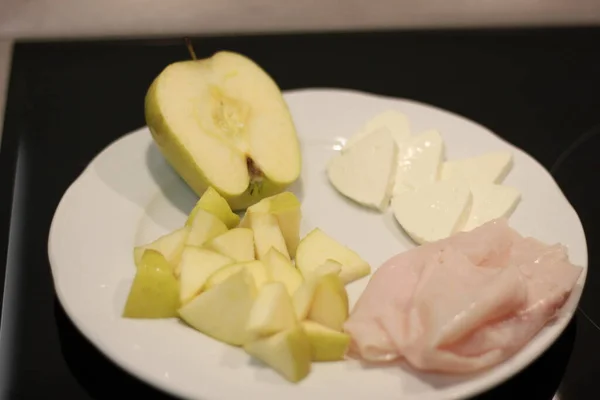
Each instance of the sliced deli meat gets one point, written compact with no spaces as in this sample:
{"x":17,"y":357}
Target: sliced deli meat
{"x":461,"y":304}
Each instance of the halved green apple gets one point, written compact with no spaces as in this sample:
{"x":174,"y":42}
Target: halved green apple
{"x":222,"y":122}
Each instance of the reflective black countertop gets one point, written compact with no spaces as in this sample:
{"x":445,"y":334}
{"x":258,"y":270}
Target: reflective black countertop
{"x":538,"y":89}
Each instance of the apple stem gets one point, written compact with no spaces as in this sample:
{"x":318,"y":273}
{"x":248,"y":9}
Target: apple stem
{"x":190,"y":47}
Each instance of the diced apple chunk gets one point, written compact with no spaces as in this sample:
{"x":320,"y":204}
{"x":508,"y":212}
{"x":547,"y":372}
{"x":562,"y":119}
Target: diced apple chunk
{"x":222,"y":312}
{"x":272,"y":311}
{"x":204,"y":227}
{"x":326,"y":344}
{"x":237,"y":243}
{"x":286,"y":207}
{"x":256,"y":269}
{"x":154,"y":292}
{"x":196,"y":265}
{"x":287,"y":352}
{"x":303,"y":298}
{"x":215,"y":204}
{"x":281,"y":270}
{"x":169,"y":245}
{"x":329,"y":306}
{"x":267,"y":234}
{"x":317,"y":247}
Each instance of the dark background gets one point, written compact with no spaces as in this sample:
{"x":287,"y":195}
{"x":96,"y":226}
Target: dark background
{"x":538,"y":89}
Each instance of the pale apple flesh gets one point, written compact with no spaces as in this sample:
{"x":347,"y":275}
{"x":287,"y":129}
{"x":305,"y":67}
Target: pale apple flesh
{"x":272,"y":311}
{"x":196,"y":266}
{"x":256,"y":269}
{"x":169,"y":245}
{"x":237,"y":243}
{"x":204,"y":227}
{"x":286,"y":207}
{"x":317,"y":247}
{"x":222,"y":311}
{"x":222,"y":122}
{"x":329,"y":305}
{"x":287,"y":352}
{"x":282,"y":270}
{"x":267,"y":234}
{"x":215,"y":204}
{"x":326,"y":344}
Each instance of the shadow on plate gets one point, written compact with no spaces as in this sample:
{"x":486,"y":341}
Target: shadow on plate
{"x":96,"y":374}
{"x":172,"y":186}
{"x":177,"y":191}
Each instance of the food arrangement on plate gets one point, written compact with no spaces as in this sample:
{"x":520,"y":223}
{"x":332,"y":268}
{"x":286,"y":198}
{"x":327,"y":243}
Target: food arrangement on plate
{"x":470,"y":294}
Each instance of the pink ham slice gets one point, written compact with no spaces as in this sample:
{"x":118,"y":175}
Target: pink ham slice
{"x":461,"y":304}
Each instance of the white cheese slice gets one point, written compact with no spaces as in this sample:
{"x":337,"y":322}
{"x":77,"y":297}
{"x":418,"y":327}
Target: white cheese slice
{"x":395,"y":121}
{"x":486,"y":168}
{"x":434,"y":211}
{"x":491,"y":201}
{"x":365,"y":172}
{"x":419,"y":161}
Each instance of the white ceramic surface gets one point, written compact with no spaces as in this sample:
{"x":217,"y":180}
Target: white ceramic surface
{"x":128,"y":195}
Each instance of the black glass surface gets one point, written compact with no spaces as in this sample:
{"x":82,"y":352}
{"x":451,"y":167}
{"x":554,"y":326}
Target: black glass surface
{"x":538,"y":89}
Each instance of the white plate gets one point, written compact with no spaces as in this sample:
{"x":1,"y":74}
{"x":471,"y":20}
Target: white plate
{"x":128,"y":195}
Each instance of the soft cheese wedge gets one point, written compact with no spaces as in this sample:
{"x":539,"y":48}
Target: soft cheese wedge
{"x":486,"y":168}
{"x":169,"y":245}
{"x":433,"y":211}
{"x":222,"y":312}
{"x":419,"y":162}
{"x":237,"y":243}
{"x":395,"y":122}
{"x":195,"y":267}
{"x":222,"y":122}
{"x":317,"y":248}
{"x":365,"y":172}
{"x":491,"y":201}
